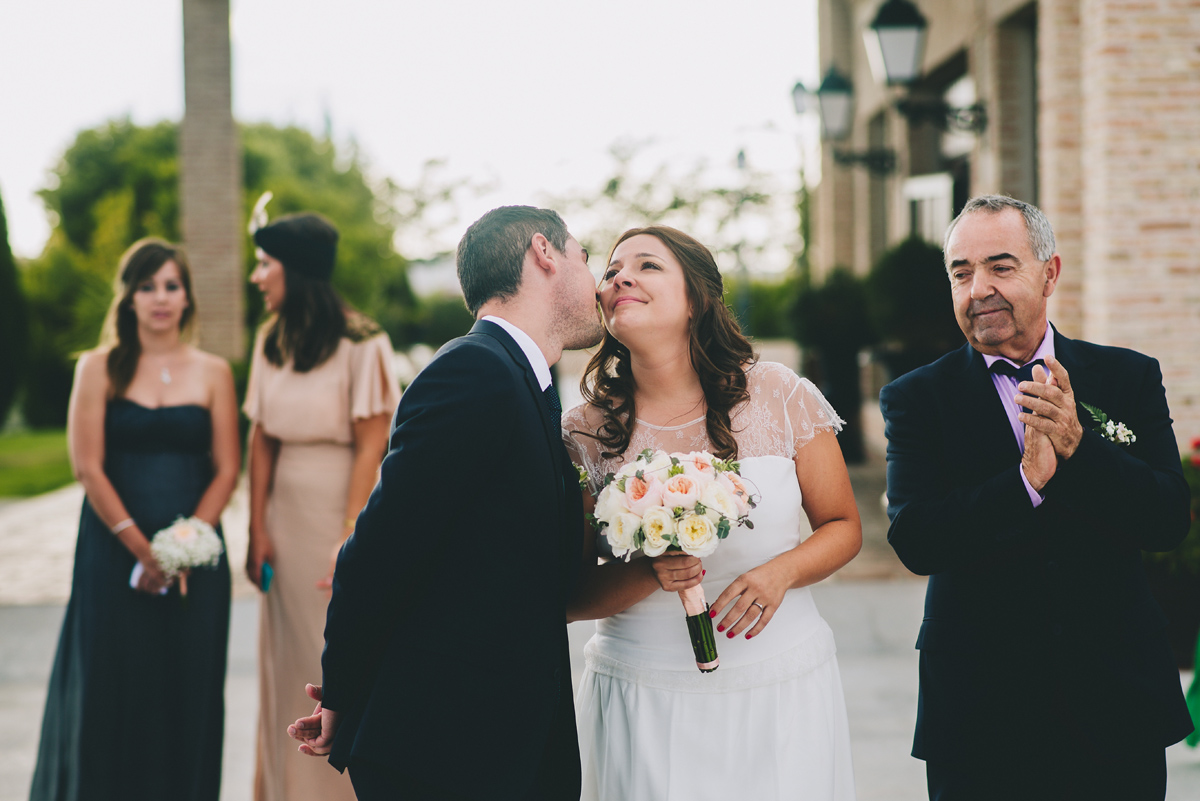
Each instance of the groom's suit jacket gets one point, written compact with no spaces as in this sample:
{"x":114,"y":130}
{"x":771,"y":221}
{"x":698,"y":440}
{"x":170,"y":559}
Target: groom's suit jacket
{"x":445,"y":640}
{"x":1033,"y":614}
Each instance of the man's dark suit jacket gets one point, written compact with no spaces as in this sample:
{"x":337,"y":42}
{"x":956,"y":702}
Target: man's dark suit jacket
{"x":445,"y":640}
{"x":1036,"y":614}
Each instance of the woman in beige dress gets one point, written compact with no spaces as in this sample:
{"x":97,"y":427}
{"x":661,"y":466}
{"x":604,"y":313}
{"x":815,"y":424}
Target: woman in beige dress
{"x":321,"y":393}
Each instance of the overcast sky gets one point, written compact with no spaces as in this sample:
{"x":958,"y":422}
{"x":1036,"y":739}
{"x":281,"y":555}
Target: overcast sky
{"x":525,"y":95}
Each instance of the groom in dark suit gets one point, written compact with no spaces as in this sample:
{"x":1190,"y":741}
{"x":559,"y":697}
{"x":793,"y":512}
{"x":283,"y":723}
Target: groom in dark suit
{"x":1044,"y":669}
{"x":446,"y":673}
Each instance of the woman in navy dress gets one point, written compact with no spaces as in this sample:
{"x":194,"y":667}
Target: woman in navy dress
{"x":135,"y":708}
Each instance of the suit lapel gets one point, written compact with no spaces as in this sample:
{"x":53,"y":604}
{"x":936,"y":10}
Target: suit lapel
{"x":1084,"y":382}
{"x":977,"y":399}
{"x":550,"y":427}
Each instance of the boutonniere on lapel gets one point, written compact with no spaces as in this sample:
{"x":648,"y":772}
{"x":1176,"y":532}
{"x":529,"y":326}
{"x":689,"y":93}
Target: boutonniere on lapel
{"x":583,"y":477}
{"x":1109,"y":429}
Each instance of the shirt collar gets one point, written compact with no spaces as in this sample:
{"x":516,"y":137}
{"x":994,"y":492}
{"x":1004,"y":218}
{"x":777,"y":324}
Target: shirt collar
{"x":537,"y":359}
{"x":1044,"y":350}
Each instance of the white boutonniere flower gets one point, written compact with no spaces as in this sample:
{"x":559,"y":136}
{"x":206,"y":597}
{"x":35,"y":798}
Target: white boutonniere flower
{"x":1111,"y":430}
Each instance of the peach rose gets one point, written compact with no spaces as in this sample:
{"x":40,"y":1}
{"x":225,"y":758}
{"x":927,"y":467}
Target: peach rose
{"x":642,"y":494}
{"x":681,"y":490}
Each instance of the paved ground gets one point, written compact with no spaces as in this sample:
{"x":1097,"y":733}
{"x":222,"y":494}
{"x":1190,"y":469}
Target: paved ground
{"x":873,"y":605}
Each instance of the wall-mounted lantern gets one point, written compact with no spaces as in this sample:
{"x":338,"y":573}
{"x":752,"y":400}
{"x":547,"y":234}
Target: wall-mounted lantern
{"x":835,"y":101}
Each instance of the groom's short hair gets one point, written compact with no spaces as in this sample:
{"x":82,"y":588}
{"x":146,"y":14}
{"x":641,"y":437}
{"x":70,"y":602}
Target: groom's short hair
{"x":492,"y":251}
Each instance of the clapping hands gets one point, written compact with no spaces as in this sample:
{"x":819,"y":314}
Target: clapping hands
{"x":1052,"y":427}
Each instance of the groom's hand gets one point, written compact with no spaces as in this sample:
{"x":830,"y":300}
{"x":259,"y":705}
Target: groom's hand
{"x":1052,"y":407}
{"x":316,"y":731}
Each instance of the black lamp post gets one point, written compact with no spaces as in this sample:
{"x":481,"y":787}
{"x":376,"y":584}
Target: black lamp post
{"x":835,"y":101}
{"x":896,"y":43}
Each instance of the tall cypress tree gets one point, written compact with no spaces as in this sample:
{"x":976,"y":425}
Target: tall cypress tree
{"x":14,"y":324}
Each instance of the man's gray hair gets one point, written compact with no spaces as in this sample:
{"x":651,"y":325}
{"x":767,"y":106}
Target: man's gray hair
{"x":1041,"y":235}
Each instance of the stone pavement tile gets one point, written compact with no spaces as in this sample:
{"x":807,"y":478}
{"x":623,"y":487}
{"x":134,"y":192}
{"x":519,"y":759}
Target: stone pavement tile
{"x":28,"y":638}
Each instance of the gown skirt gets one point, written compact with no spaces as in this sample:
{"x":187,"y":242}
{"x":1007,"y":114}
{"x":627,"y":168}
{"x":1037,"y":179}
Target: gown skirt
{"x":135,"y":707}
{"x":305,"y":513}
{"x":769,"y":724}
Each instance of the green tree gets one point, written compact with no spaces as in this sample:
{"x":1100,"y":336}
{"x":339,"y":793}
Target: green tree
{"x":690,"y":202}
{"x":119,"y":182}
{"x":14,"y":324}
{"x":832,"y":320}
{"x":908,"y":297}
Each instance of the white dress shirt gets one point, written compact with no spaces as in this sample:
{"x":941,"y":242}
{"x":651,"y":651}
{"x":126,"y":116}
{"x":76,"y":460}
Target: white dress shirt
{"x":537,"y":359}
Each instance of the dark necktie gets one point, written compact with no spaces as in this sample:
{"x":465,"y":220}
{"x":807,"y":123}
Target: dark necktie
{"x":1020,"y":373}
{"x":551,"y":396}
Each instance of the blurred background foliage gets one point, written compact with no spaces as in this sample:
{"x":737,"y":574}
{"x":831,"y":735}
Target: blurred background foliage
{"x":118,"y":182}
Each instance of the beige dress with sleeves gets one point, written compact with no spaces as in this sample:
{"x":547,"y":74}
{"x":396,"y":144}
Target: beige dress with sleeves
{"x":312,"y":415}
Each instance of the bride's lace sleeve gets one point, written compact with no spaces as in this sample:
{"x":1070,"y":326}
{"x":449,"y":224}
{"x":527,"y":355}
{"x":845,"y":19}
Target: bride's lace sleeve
{"x":783,"y":414}
{"x":584,"y":450}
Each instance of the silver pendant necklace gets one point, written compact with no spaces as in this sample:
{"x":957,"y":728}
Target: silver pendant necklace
{"x":165,"y":375}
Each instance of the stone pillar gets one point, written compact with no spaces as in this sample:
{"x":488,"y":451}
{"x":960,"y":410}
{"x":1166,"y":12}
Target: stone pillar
{"x":1060,"y":132}
{"x":1141,"y":188}
{"x":834,"y":213}
{"x":210,"y":178}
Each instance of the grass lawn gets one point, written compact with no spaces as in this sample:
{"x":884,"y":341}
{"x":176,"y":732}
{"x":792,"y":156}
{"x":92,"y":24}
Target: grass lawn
{"x":33,"y":463}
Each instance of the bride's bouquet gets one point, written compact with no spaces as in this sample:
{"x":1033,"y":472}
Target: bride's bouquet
{"x":685,"y":502}
{"x":181,"y":546}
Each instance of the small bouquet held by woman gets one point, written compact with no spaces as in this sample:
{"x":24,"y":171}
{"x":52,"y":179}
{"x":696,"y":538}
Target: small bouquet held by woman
{"x":185,"y":544}
{"x":685,"y":502}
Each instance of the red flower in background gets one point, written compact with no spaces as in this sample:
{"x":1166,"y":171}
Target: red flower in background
{"x":1196,"y":460}
{"x":1196,"y":444}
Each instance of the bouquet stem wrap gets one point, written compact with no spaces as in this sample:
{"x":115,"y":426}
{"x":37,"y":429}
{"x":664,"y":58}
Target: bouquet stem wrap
{"x":700,"y":629}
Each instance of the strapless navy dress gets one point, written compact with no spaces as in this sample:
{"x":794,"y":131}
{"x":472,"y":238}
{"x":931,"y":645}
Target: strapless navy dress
{"x":135,"y":708}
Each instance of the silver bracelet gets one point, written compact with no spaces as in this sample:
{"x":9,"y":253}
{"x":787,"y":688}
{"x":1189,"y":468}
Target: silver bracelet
{"x":124,"y":524}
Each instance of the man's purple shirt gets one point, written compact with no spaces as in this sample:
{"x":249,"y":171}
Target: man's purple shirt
{"x":1006,"y":388}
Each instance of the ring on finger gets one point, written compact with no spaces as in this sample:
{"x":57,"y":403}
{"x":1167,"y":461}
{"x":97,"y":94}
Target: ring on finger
{"x":760,"y":606}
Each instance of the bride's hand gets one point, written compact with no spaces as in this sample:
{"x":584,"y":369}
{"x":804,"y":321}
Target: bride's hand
{"x":676,"y":571}
{"x":759,"y":593}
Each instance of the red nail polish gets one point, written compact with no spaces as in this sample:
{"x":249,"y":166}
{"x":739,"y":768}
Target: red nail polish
{"x":712,"y":613}
{"x":730,"y":635}
{"x":720,"y":628}
{"x":748,"y":636}
{"x":703,"y":572}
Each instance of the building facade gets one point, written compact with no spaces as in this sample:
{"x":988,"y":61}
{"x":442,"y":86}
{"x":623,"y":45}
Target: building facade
{"x":1092,"y":109}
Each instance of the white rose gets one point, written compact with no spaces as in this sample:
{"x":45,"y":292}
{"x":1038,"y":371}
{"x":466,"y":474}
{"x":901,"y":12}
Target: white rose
{"x":720,"y":502}
{"x":657,"y":466}
{"x":620,"y":533}
{"x":658,"y":525}
{"x":610,"y":504}
{"x":697,"y":535}
{"x":184,"y":532}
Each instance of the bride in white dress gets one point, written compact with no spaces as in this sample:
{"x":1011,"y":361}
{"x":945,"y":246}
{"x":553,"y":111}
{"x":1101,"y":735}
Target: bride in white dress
{"x":674,"y":372}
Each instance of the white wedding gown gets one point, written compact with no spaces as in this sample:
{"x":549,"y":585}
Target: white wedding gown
{"x":770,"y":723}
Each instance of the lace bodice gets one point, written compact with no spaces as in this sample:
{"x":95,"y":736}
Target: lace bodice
{"x":783,"y":413}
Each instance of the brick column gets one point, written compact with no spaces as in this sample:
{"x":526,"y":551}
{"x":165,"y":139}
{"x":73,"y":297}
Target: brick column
{"x":1141,"y":187}
{"x":1060,"y":179}
{"x":210,"y":178}
{"x":834,"y":211}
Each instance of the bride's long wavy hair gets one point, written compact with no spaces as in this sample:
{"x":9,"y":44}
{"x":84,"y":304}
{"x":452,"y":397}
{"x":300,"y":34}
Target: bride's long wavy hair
{"x":718,"y":351}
